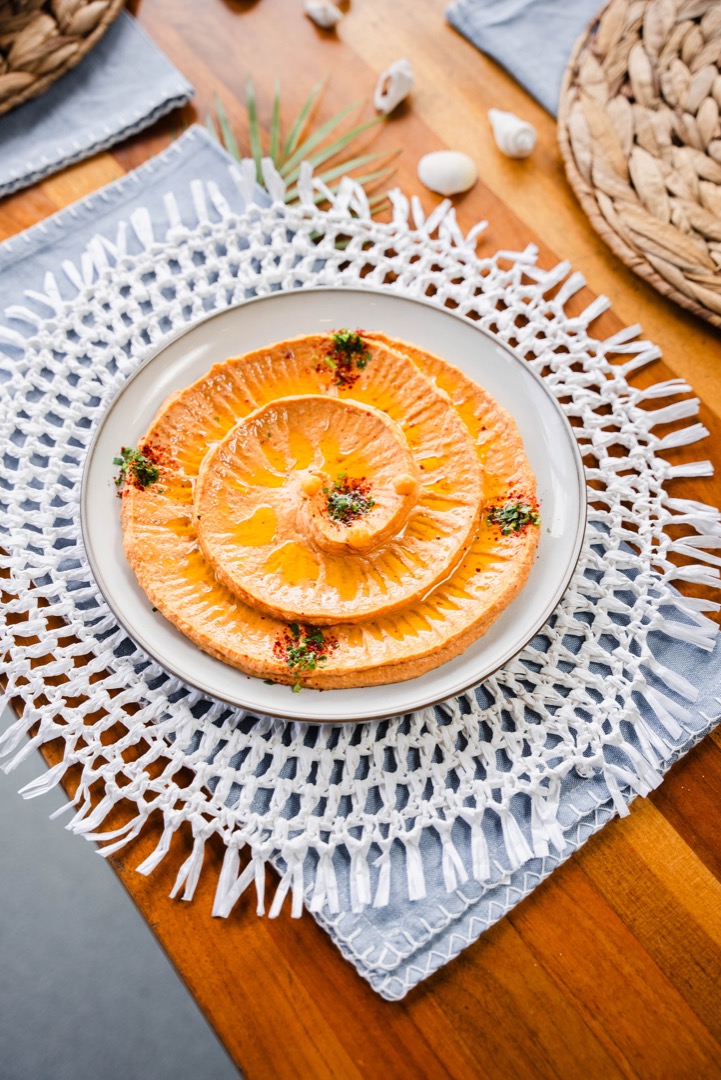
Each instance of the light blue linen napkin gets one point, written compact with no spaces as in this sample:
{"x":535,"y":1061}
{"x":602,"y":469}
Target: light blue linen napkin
{"x":27,"y":257}
{"x":532,"y":39}
{"x":122,"y":86}
{"x":398,"y":946}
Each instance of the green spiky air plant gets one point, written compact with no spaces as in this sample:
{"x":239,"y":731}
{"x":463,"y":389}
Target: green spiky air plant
{"x":318,"y":146}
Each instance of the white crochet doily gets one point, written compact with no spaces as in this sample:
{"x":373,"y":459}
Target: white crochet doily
{"x":489,"y":763}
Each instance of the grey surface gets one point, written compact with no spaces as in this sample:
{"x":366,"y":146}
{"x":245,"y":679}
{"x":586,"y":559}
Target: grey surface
{"x":85,"y":990}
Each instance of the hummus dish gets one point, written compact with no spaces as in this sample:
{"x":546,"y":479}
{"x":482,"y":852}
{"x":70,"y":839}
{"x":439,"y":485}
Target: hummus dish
{"x":335,"y":510}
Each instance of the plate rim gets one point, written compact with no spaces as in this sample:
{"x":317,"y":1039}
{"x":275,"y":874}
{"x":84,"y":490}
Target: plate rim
{"x":514,"y":650}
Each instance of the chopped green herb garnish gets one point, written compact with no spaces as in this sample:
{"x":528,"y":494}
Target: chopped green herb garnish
{"x":348,"y":354}
{"x":303,"y":649}
{"x":135,"y":468}
{"x":513,"y":516}
{"x":348,"y":499}
{"x":350,"y":343}
{"x":304,"y":655}
{"x":314,"y":634}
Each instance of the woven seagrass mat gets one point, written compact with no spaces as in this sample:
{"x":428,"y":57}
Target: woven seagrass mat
{"x":42,"y":39}
{"x":639,"y":132}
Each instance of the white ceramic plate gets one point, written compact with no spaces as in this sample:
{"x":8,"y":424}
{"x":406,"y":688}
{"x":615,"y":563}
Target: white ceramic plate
{"x":548,"y":440}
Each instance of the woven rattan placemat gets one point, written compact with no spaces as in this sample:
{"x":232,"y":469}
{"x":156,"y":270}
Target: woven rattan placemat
{"x":639,"y":132}
{"x":42,"y":39}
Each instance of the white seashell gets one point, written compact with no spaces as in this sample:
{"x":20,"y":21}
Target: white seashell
{"x":447,"y":171}
{"x":323,"y":13}
{"x":394,"y":86}
{"x":515,"y":137}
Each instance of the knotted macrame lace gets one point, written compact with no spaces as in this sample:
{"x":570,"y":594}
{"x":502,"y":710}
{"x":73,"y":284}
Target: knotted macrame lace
{"x":334,"y":800}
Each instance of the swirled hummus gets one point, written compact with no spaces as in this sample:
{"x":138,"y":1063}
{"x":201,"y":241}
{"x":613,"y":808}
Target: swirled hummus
{"x":332,"y":511}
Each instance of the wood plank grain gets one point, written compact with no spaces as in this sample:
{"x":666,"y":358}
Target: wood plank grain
{"x":625,"y":997}
{"x":669,"y":900}
{"x":23,"y":210}
{"x":609,"y":968}
{"x":688,"y":799}
{"x":81,"y":179}
{"x":500,"y":978}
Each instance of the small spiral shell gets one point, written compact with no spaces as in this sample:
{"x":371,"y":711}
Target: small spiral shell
{"x":514,"y":137}
{"x":323,"y":13}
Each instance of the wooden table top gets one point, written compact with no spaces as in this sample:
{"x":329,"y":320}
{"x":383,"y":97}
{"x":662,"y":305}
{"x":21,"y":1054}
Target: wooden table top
{"x":612,"y":967}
